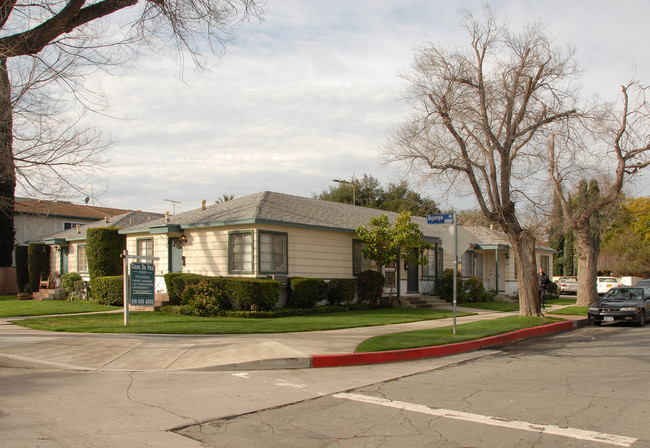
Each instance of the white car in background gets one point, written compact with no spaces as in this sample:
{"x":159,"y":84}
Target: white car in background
{"x":604,"y":284}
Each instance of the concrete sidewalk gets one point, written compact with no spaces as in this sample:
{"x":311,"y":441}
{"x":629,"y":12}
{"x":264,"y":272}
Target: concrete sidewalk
{"x":21,"y":346}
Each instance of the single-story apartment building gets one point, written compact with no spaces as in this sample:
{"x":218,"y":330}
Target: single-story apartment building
{"x":275,"y":235}
{"x":68,"y":248}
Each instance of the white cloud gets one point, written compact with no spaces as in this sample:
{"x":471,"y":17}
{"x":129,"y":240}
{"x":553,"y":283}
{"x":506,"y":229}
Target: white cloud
{"x":310,"y":94}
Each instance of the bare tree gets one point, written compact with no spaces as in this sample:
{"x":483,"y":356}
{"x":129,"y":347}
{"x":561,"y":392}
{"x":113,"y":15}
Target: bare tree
{"x":626,"y":132}
{"x":40,"y":140}
{"x":478,"y":115}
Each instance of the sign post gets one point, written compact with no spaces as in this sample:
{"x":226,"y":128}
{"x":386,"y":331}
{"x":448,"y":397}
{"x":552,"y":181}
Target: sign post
{"x":451,"y":244}
{"x":139,"y":282}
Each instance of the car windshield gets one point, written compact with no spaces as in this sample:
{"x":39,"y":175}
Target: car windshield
{"x":607,"y":280}
{"x":569,"y":280}
{"x":624,"y":294}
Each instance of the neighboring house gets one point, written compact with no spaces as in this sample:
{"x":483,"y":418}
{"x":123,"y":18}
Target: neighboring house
{"x":274,"y":235}
{"x":490,"y":258}
{"x":36,"y":218}
{"x":68,"y":252}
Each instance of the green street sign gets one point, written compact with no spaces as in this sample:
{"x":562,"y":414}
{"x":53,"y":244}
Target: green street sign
{"x":142,"y":284}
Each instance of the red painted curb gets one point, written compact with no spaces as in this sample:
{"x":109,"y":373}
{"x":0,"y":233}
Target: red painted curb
{"x":413,"y":354}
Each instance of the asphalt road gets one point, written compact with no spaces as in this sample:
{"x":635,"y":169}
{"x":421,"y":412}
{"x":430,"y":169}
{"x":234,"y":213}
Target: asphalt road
{"x":585,"y":388}
{"x":582,"y":388}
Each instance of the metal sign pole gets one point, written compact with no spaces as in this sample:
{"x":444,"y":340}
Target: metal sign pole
{"x":455,"y":266}
{"x":127,"y":276}
{"x":125,"y":286}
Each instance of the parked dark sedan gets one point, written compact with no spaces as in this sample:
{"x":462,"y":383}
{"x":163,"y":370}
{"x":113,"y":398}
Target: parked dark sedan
{"x":622,"y":304}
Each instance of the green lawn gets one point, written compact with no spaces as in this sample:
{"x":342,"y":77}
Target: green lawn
{"x":561,"y":301}
{"x":165,"y":323}
{"x":513,"y":306}
{"x":572,"y":311}
{"x":14,"y":308}
{"x":444,"y":335}
{"x":2,"y":298}
{"x":495,"y":306}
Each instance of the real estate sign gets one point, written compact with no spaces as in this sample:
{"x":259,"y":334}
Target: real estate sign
{"x":142,"y":283}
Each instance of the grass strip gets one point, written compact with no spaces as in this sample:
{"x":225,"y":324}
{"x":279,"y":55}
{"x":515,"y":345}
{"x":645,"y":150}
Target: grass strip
{"x":16,"y":308}
{"x":444,"y":335}
{"x":494,"y":306}
{"x":164,"y":323}
{"x":571,"y":311}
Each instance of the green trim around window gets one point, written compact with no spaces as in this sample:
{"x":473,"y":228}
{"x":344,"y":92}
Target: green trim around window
{"x":279,"y":261}
{"x":242,"y":243}
{"x":139,"y":251}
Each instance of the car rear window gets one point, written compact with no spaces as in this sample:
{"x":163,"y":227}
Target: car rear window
{"x":607,"y":279}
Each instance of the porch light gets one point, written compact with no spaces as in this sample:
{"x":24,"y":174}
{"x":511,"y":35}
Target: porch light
{"x":183,"y":239}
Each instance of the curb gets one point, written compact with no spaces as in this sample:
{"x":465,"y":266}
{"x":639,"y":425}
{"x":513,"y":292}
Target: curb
{"x":414,"y":354}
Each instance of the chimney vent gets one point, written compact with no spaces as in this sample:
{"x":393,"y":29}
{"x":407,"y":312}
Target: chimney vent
{"x":203,"y":202}
{"x":166,"y":215}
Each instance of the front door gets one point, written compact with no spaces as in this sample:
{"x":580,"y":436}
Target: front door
{"x":175,"y":255}
{"x":412,"y":280}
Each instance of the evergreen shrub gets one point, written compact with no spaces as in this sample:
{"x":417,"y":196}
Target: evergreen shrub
{"x":38,"y":261}
{"x":305,"y":292}
{"x":104,"y":247}
{"x":370,"y":286}
{"x":22,"y":267}
{"x":253,"y":294}
{"x":108,"y":290}
{"x":341,"y":291}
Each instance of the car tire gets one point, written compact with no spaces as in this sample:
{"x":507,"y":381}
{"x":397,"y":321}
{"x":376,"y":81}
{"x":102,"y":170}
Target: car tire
{"x":641,"y":321}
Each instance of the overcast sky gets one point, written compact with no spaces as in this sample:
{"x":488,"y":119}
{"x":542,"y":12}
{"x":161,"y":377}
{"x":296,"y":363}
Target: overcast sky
{"x":309,"y":95}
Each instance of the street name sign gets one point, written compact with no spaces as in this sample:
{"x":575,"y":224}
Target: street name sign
{"x":440,"y":218}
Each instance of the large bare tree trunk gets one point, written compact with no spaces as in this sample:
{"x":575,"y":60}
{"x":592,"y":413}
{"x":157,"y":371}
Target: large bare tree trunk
{"x":7,"y":174}
{"x":524,"y":249}
{"x":587,"y":250}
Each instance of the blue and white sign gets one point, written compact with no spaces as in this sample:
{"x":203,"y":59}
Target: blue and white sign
{"x":440,"y":218}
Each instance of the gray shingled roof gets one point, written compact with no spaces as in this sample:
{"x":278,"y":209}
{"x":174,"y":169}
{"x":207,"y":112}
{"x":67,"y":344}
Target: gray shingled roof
{"x":283,"y":209}
{"x":120,"y":221}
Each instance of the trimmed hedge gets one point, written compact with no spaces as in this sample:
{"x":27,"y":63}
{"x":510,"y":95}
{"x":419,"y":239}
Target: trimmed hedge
{"x":249,"y":294}
{"x":108,"y":290}
{"x":341,"y":291}
{"x":38,"y":261}
{"x":305,"y":292}
{"x":253,"y":294}
{"x":104,"y":245}
{"x":22,"y":268}
{"x":172,"y":292}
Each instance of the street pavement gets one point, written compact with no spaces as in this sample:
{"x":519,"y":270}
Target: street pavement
{"x":21,"y":346}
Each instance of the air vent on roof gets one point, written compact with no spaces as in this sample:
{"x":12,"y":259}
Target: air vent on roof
{"x":203,"y":202}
